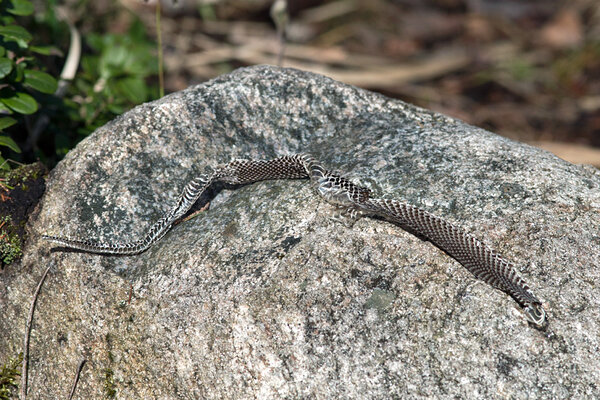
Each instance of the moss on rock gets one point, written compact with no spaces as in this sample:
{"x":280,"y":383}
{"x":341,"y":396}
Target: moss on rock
{"x":20,"y":190}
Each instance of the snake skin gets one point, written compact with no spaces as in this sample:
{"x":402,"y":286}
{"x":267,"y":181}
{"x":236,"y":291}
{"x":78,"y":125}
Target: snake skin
{"x":477,"y":257}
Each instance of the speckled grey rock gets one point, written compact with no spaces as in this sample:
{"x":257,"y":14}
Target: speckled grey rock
{"x":264,"y":296}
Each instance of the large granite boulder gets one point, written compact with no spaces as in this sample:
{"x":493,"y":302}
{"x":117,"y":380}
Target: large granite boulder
{"x":265,"y":296}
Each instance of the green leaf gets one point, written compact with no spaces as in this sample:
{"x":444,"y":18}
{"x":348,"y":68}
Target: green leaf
{"x":112,"y":61}
{"x":134,"y":89}
{"x":6,"y":19}
{"x":16,"y":33}
{"x":46,"y":50}
{"x":8,"y":142}
{"x":20,"y":7}
{"x":19,"y":72}
{"x":116,"y":109}
{"x":4,"y":110}
{"x":6,"y":65}
{"x":40,"y":81}
{"x":5,"y":122}
{"x":21,"y":103}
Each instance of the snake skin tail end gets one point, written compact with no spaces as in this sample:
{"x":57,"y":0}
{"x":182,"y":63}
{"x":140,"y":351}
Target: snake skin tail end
{"x":535,"y":314}
{"x":49,"y":238}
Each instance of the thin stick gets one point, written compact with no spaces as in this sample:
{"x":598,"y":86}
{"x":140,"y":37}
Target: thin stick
{"x":79,"y":368}
{"x":161,"y":78}
{"x":280,"y":16}
{"x":281,"y":39}
{"x":24,"y":371}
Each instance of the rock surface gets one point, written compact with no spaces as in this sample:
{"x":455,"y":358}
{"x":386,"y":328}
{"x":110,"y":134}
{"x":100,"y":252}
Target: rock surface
{"x":264,"y":296}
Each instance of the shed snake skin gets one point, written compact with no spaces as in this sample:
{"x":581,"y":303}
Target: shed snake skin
{"x":473,"y":254}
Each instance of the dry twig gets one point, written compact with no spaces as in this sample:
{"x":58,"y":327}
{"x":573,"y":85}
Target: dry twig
{"x":24,"y":370}
{"x":79,"y":368}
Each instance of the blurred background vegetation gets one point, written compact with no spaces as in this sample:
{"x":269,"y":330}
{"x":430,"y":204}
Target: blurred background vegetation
{"x":525,"y":69}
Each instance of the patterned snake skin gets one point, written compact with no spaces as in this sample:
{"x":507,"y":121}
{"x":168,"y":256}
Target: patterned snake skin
{"x":478,"y":258}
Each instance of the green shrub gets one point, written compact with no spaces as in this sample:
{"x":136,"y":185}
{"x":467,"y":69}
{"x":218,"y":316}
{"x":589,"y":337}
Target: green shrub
{"x":113,"y":78}
{"x":115,"y":73}
{"x":22,"y":78}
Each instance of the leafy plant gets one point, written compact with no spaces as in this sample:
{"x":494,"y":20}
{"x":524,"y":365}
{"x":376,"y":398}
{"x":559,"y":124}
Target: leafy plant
{"x":113,"y":78}
{"x":21,"y":76}
{"x":115,"y":73}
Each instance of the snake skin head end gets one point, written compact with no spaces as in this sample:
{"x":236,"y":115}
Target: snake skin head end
{"x":535,"y":314}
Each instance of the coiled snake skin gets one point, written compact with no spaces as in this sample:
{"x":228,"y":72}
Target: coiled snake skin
{"x":482,"y":261}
